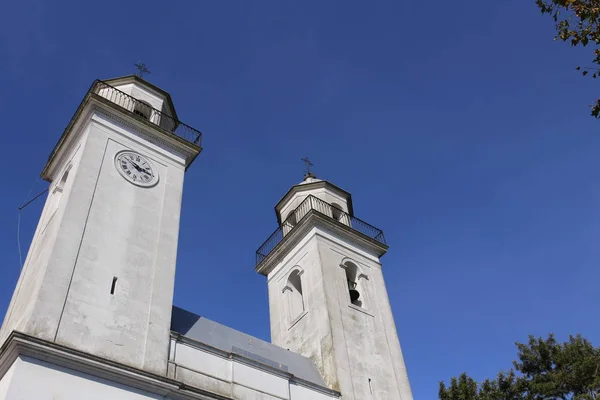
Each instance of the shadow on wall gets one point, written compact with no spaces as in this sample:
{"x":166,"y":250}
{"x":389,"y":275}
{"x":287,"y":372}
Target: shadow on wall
{"x":182,"y":321}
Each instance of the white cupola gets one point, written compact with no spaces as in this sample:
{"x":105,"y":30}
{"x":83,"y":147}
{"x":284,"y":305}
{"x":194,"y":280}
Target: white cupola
{"x":145,"y":93}
{"x":335,"y":202}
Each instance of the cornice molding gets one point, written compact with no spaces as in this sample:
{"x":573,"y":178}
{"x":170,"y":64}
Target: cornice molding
{"x":59,"y":158}
{"x":20,"y":344}
{"x":94,"y":103}
{"x":146,"y":134}
{"x":293,"y":379}
{"x":314,"y":219}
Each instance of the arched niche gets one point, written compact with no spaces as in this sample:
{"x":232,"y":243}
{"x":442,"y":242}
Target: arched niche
{"x":294,"y":295}
{"x":356,"y":282}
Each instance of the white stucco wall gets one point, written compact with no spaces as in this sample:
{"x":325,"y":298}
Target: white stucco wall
{"x":106,"y":227}
{"x":6,"y":380}
{"x":235,"y":378}
{"x":130,"y":233}
{"x":304,"y":393}
{"x":216,"y":373}
{"x":43,"y":243}
{"x":356,"y":348}
{"x":311,"y":334}
{"x":32,"y":379}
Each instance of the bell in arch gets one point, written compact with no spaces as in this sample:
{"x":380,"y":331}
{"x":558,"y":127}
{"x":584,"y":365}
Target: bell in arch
{"x":354,"y":294}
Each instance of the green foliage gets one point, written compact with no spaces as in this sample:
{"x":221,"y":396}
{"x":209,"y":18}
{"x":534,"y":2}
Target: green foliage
{"x":545,"y":370}
{"x":505,"y":387}
{"x":577,"y":22}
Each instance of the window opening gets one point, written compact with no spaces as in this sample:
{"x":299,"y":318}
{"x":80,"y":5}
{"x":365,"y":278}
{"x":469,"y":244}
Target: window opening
{"x":354,"y":287}
{"x":336,"y":211}
{"x":291,"y":219}
{"x":55,"y":199}
{"x":289,"y":222}
{"x":295,"y":295}
{"x":114,"y":285}
{"x":142,"y":109}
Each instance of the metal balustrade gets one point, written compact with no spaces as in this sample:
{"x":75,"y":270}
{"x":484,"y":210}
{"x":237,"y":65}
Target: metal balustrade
{"x":312,"y":203}
{"x":147,"y":112}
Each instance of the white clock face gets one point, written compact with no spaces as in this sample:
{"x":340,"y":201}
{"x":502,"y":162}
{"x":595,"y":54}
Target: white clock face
{"x":136,"y":168}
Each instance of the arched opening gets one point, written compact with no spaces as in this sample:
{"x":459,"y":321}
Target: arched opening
{"x":61,"y":185}
{"x":336,"y":211}
{"x":355,"y":285}
{"x":142,"y":109}
{"x":294,"y":294}
{"x":291,"y":219}
{"x":55,"y":199}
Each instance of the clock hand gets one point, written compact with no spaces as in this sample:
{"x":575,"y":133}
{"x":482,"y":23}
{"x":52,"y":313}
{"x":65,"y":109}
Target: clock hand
{"x":140,"y":169}
{"x":136,"y":165}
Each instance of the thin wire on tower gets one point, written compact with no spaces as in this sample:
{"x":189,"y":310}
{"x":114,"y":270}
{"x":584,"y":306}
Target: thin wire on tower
{"x":25,"y":204}
{"x":19,"y":238}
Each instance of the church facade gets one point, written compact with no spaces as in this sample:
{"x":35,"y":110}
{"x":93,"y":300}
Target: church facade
{"x":92,"y":314}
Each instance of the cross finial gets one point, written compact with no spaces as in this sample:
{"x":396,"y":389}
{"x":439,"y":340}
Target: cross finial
{"x":141,"y":69}
{"x":308,"y":173}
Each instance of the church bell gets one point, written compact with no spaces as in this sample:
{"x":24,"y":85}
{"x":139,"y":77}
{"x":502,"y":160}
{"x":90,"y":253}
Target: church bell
{"x":354,"y":294}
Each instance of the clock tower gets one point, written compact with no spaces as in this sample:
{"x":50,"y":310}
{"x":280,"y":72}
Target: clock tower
{"x":99,"y":274}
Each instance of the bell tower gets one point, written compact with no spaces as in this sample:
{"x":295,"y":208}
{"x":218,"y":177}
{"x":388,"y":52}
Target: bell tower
{"x":327,"y":295}
{"x":99,"y":274}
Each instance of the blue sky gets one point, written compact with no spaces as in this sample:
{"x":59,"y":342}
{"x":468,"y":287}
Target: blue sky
{"x":461,"y":129}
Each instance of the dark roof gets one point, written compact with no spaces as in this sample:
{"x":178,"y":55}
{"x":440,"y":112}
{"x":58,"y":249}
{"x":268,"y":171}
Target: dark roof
{"x":227,"y":339}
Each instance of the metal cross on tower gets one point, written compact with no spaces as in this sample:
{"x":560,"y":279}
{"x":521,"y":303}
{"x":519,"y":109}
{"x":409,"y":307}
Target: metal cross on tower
{"x":141,"y":69}
{"x":308,"y":173}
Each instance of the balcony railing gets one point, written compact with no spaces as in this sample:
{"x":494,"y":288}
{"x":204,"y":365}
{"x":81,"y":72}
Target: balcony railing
{"x":312,"y":203}
{"x":147,"y":112}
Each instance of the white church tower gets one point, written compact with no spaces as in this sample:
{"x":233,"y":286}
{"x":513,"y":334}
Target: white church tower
{"x":99,"y":274}
{"x":327,"y":295}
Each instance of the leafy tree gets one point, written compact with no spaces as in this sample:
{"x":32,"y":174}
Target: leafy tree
{"x":545,"y":370}
{"x":463,"y":387}
{"x":505,"y":387}
{"x":577,"y":22}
